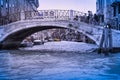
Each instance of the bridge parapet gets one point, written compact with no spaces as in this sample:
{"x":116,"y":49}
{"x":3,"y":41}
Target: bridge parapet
{"x":41,"y":15}
{"x":53,"y":14}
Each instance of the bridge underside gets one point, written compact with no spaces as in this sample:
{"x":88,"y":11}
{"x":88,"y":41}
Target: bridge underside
{"x":14,"y":40}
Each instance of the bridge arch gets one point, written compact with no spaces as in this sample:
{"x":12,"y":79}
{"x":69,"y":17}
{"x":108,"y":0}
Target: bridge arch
{"x":17,"y":32}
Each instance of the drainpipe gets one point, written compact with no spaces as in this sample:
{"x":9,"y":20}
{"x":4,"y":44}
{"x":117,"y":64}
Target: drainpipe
{"x":8,"y":11}
{"x":107,"y":11}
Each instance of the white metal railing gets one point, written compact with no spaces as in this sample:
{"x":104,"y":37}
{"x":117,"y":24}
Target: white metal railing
{"x":41,"y":15}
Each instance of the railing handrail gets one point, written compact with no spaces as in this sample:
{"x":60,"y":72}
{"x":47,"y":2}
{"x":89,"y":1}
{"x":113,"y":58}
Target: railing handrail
{"x":47,"y":14}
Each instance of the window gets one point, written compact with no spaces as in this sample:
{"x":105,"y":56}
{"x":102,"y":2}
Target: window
{"x":114,"y":10}
{"x":119,"y":9}
{"x":6,"y":5}
{"x":1,"y":3}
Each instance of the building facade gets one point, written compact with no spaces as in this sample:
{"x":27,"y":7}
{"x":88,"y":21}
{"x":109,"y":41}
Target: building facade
{"x":10,"y":10}
{"x":110,"y":10}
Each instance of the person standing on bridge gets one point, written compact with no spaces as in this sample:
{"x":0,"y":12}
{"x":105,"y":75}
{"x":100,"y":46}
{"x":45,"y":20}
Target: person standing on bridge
{"x":89,"y":17}
{"x":96,"y":19}
{"x":76,"y":18}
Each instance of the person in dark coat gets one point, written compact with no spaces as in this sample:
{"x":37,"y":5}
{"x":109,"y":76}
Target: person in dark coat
{"x":96,"y":19}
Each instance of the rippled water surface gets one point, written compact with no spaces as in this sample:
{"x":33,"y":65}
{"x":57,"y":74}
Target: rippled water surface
{"x":50,"y":65}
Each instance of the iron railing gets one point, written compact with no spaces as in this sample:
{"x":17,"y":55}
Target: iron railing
{"x":53,"y":14}
{"x":41,"y":15}
{"x":46,"y":15}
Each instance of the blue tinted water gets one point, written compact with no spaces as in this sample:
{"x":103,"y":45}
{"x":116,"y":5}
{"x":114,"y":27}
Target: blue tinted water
{"x":32,"y":65}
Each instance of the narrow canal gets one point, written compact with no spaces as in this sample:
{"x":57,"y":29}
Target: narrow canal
{"x":58,"y":65}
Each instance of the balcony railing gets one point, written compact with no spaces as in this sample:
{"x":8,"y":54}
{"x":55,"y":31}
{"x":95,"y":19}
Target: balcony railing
{"x":115,"y":2}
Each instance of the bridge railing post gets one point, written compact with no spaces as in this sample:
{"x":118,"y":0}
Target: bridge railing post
{"x":71,"y":15}
{"x":22,"y":15}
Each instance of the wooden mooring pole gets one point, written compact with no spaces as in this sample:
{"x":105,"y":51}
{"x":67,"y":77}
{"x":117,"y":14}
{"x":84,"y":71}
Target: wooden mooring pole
{"x":106,"y":40}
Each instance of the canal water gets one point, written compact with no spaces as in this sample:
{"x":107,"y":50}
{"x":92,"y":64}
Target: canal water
{"x":58,"y":65}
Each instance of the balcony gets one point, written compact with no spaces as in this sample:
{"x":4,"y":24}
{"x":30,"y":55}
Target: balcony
{"x":115,"y":3}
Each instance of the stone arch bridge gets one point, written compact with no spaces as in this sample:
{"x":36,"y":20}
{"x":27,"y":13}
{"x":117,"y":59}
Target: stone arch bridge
{"x":11,"y":35}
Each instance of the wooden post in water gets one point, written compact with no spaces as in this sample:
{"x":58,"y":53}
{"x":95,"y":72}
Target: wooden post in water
{"x":106,"y":40}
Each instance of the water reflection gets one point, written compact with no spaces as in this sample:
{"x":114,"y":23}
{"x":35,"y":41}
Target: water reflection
{"x":35,"y":65}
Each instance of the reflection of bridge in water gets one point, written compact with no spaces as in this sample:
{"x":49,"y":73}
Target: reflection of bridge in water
{"x":27,"y":23}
